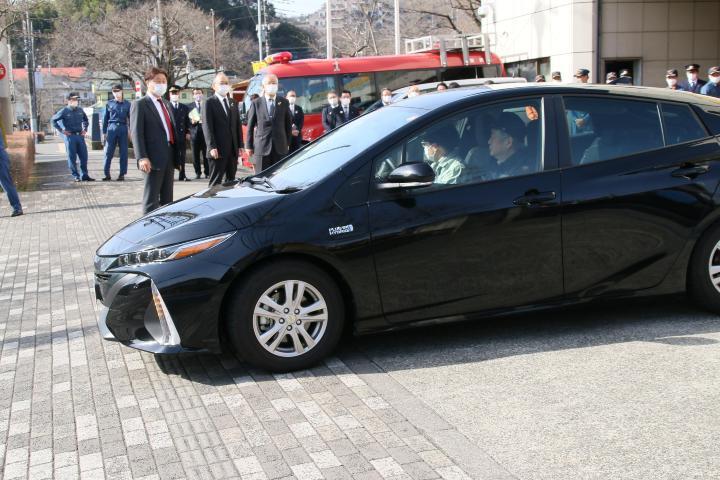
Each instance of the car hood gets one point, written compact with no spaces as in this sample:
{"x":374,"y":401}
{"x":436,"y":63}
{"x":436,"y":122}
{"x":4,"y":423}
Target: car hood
{"x":215,"y":210}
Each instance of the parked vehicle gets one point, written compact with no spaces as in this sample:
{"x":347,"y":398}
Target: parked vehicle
{"x":416,"y":212}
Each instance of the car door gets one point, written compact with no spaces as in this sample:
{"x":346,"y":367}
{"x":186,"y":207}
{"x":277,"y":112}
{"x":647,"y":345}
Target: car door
{"x":486,"y":240}
{"x":633,"y":193}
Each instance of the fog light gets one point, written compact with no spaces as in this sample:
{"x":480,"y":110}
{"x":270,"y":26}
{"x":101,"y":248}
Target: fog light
{"x":169,"y":334}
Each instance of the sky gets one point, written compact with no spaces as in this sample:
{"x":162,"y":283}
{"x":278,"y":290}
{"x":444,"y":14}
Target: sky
{"x":297,"y":7}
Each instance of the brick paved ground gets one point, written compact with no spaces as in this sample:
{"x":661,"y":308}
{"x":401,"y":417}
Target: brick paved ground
{"x":72,"y":405}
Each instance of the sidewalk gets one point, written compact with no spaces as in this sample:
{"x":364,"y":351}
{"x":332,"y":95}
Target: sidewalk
{"x":74,"y":406}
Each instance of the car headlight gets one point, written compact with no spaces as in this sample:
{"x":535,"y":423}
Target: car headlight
{"x":171,"y":252}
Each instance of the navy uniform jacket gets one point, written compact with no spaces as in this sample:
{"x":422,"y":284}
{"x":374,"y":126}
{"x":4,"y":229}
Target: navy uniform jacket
{"x":331,"y":117}
{"x":685,"y":86}
{"x":353,"y":112}
{"x":298,"y":116}
{"x":712,"y":89}
{"x":117,"y":113}
{"x":182,"y":121}
{"x":73,"y":120}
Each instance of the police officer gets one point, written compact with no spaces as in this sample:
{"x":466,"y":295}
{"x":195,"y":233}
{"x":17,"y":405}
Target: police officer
{"x":72,"y":123}
{"x":181,"y":113}
{"x":712,"y":88}
{"x":671,"y":78}
{"x":539,"y":78}
{"x":693,"y":84}
{"x":556,"y":77}
{"x":197,"y":138}
{"x":611,"y":78}
{"x":625,"y":77}
{"x":298,"y":120}
{"x":115,"y":132}
{"x":582,"y":75}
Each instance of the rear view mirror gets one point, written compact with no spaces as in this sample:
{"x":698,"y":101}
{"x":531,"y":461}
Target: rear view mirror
{"x":409,"y":175}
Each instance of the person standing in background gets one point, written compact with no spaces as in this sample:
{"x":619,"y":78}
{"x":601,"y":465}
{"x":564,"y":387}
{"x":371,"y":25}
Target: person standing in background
{"x":582,"y":75}
{"x":197,"y":138}
{"x":712,"y":88}
{"x":223,"y":135}
{"x":386,"y":97}
{"x":611,"y":78}
{"x":72,"y":123}
{"x":115,"y":132}
{"x":671,"y":78}
{"x":556,"y":77}
{"x":181,"y":116}
{"x":270,"y":113}
{"x":6,"y":180}
{"x":347,"y":110}
{"x":298,"y":120}
{"x":153,"y":135}
{"x":693,"y":84}
{"x":331,"y":113}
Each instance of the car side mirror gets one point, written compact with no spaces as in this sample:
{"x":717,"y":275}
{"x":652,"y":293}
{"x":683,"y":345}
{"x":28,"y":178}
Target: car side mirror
{"x":409,"y":175}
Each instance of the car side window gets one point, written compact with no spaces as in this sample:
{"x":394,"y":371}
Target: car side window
{"x":681,"y":124}
{"x":498,"y":141}
{"x":617,"y":128}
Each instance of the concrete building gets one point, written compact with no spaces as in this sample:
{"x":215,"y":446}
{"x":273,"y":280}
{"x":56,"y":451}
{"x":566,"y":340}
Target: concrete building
{"x":649,"y":37}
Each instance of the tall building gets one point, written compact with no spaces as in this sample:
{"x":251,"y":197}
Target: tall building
{"x":648,"y":37}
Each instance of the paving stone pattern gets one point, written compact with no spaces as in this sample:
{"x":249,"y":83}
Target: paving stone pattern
{"x":74,"y":406}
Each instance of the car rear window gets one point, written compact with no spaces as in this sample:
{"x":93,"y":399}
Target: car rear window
{"x":681,"y":124}
{"x":602,"y":129}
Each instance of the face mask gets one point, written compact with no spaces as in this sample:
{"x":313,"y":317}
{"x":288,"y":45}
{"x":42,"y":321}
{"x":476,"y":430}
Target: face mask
{"x":413,"y":94}
{"x":198,"y":98}
{"x":387,"y":98}
{"x":715,"y":80}
{"x":345,"y":102}
{"x":174,"y":98}
{"x":223,"y":90}
{"x":671,"y":82}
{"x":333,"y":102}
{"x":292,"y":100}
{"x":271,"y":88}
{"x":692,"y":77}
{"x":73,"y":105}
{"x":159,"y":89}
{"x":117,"y":95}
{"x":429,"y":153}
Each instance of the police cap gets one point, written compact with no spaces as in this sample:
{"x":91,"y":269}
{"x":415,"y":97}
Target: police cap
{"x":174,"y":88}
{"x":692,"y":67}
{"x":540,"y":78}
{"x":672,"y":73}
{"x":117,"y":88}
{"x":714,"y":70}
{"x":556,"y":75}
{"x":582,"y":72}
{"x":73,"y":96}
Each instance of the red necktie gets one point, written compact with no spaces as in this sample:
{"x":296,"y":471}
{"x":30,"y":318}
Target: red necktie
{"x":167,"y":122}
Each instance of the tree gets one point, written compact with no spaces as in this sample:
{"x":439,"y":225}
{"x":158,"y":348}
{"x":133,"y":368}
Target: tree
{"x":460,"y":16}
{"x":131,"y":40}
{"x":288,"y":37}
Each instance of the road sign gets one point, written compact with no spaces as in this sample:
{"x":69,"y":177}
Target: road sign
{"x":137,"y":89}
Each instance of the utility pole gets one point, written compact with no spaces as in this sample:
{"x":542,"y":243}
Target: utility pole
{"x":266,"y":29}
{"x":161,"y":36}
{"x":260,"y":30}
{"x":397,"y":27}
{"x":30,"y":65}
{"x":212,"y":16}
{"x":328,"y":28}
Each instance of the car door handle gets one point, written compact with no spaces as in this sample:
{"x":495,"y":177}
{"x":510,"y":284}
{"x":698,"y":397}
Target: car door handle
{"x":690,"y":172}
{"x":534,"y":197}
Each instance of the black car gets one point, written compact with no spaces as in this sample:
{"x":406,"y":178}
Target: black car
{"x":464,"y":204}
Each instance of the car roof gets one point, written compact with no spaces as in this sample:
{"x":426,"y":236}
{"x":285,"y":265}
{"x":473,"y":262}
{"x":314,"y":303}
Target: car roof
{"x":467,"y":82}
{"x":434,"y":100}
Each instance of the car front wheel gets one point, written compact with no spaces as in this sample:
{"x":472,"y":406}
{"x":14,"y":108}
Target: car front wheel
{"x":285,"y":316}
{"x":704,"y":274}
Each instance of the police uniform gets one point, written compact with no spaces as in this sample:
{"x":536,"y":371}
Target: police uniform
{"x":72,"y":123}
{"x":710,"y":88}
{"x":693,"y":87}
{"x":670,"y":75}
{"x":298,"y":120}
{"x":115,"y":129}
{"x":181,"y":113}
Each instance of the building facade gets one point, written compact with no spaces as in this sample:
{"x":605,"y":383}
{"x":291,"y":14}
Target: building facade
{"x":648,"y":37}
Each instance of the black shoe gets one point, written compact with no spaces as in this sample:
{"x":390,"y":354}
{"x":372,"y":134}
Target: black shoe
{"x":88,"y":179}
{"x":121,"y":178}
{"x":17,"y":213}
{"x":197,"y":177}
{"x":106,"y":179}
{"x":187,"y":179}
{"x":76,"y":179}
{"x":206,"y":175}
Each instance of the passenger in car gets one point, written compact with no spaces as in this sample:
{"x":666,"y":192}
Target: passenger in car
{"x":478,"y":162}
{"x":507,"y":147}
{"x":437,"y":145}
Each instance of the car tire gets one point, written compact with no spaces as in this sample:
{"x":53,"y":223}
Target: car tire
{"x":703,"y":279}
{"x":280,"y":332}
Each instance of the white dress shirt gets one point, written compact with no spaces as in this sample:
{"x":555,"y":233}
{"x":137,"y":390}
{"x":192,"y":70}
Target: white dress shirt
{"x":159,"y":109}
{"x":222,"y":102}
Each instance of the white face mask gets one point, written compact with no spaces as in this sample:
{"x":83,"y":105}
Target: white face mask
{"x":271,"y":89}
{"x":198,"y":98}
{"x":715,"y":79}
{"x":692,"y":77}
{"x":118,"y":95}
{"x":292,"y":100}
{"x":345,"y":102}
{"x":333,"y":102}
{"x":174,"y":98}
{"x":159,"y":89}
{"x":671,"y":82}
{"x":223,"y":90}
{"x":413,"y":94}
{"x":73,"y":105}
{"x":387,"y":98}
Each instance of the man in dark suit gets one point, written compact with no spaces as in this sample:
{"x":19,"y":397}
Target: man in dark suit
{"x":298,"y":120}
{"x":180,"y":113}
{"x":221,"y":127}
{"x":693,"y":84}
{"x":154,"y":134}
{"x":197,"y":138}
{"x":269,"y":126}
{"x":331,"y":112}
{"x":347,"y":111}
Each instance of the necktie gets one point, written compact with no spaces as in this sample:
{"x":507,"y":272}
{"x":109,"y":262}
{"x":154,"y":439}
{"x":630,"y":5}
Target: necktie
{"x":271,"y":108}
{"x":167,"y":122}
{"x":347,"y":114}
{"x":198,"y":107}
{"x":227,"y":107}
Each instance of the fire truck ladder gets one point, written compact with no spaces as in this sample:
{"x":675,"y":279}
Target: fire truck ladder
{"x":451,"y":43}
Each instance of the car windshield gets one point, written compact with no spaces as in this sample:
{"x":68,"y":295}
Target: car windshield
{"x":333,"y":150}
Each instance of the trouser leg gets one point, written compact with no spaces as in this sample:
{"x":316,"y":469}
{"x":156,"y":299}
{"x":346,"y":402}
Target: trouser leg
{"x":122,"y":140}
{"x":231,"y":169}
{"x":83,"y":154}
{"x":217,"y":171}
{"x":111,"y":141}
{"x":151,"y":193}
{"x":6,"y":181}
{"x":71,"y":155}
{"x":166,"y":185}
{"x":196,"y":156}
{"x":181,"y":156}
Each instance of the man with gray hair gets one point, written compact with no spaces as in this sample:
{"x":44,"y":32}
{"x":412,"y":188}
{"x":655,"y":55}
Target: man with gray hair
{"x":221,"y":128}
{"x":269,"y":126}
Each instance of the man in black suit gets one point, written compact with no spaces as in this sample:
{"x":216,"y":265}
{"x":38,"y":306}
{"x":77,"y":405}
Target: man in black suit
{"x":221,"y":127}
{"x":197,"y":138}
{"x":347,"y":111}
{"x":298,"y":120}
{"x":693,"y":84}
{"x":331,"y":112}
{"x":153,"y":134}
{"x":269,"y":126}
{"x":180,"y":113}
